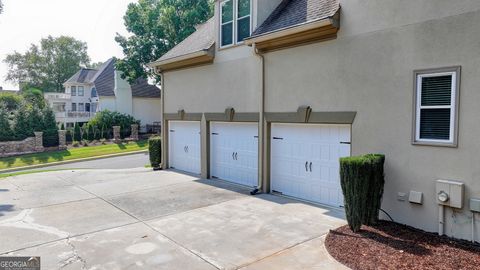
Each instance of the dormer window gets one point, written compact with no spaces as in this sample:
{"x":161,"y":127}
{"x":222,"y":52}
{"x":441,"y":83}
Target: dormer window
{"x":235,"y":21}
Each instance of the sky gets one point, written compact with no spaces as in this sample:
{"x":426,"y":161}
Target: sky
{"x":95,"y":22}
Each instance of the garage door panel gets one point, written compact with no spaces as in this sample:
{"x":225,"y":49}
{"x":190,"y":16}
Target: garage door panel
{"x":239,"y":157}
{"x":184,"y":146}
{"x":317,"y":146}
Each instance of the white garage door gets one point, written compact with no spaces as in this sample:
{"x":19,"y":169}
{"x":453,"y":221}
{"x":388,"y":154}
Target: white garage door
{"x":234,"y":152}
{"x":184,"y":146}
{"x":305,"y":161}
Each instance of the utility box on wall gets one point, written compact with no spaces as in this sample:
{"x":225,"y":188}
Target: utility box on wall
{"x":450,"y":193}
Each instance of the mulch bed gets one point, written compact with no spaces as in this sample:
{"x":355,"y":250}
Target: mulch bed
{"x":389,"y":245}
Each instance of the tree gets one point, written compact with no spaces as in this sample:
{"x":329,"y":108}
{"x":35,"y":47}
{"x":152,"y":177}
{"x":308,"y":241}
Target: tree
{"x":35,"y":97}
{"x":156,"y":26}
{"x":48,"y":65}
{"x":11,"y":101}
{"x":6,"y":133}
{"x":1,"y":7}
{"x":77,"y":136}
{"x":22,"y":125}
{"x":91,"y":133}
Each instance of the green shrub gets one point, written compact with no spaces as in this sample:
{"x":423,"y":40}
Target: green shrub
{"x":362,"y":180}
{"x":77,"y":133}
{"x":91,"y":134}
{"x":107,"y":119}
{"x":62,"y":127}
{"x":103,"y":141}
{"x":6,"y":133}
{"x":69,"y":136}
{"x":84,"y":142}
{"x":50,"y":138}
{"x":11,"y":101}
{"x":155,"y":151}
{"x":75,"y":144}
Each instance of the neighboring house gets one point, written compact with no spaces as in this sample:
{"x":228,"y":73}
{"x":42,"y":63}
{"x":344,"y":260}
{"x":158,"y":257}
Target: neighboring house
{"x":392,"y":77}
{"x":90,"y":91}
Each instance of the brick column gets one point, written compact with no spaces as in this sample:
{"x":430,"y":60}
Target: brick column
{"x":134,"y":135}
{"x":116,"y":134}
{"x":62,"y":140}
{"x":38,"y":141}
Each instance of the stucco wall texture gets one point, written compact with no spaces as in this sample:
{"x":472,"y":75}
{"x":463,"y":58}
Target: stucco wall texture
{"x":368,"y":69}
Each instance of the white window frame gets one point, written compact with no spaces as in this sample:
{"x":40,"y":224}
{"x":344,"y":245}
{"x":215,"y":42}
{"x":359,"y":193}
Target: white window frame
{"x":83,"y":91}
{"x":454,"y":103}
{"x":74,"y":105}
{"x":235,"y":20}
{"x":81,"y":107}
{"x":73,"y":90}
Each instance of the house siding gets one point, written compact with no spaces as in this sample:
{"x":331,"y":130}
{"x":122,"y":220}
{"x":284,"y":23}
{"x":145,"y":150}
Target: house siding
{"x":372,"y":73}
{"x":369,"y":70}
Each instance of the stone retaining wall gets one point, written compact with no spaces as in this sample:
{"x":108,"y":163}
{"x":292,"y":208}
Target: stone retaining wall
{"x":27,"y":146}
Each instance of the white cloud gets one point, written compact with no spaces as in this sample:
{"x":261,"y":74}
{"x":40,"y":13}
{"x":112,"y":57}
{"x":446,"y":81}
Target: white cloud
{"x":96,"y":22}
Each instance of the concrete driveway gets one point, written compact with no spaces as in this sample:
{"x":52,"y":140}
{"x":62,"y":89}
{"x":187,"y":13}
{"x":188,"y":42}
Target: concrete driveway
{"x":137,"y":218}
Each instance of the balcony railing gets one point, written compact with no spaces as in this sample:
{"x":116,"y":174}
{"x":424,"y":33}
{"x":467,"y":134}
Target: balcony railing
{"x":71,"y":114}
{"x":51,"y":96}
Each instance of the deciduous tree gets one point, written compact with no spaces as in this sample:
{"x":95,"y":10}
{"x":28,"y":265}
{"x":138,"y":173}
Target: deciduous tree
{"x":48,"y":65}
{"x":156,"y":26}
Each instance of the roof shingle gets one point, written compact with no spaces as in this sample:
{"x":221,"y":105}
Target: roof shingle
{"x":84,"y":75}
{"x":202,"y":39}
{"x":290,"y":13}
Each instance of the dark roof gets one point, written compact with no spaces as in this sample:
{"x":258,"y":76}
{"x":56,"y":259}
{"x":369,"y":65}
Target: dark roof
{"x":84,"y":75}
{"x":202,"y":39}
{"x":104,"y":80}
{"x":141,"y":88}
{"x":290,"y":13}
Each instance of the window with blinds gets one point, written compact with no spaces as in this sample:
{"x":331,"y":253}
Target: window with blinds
{"x":436,"y":107}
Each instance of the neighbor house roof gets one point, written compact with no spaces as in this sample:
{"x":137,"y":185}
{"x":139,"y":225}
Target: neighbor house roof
{"x":104,"y":81}
{"x":84,"y":75}
{"x":291,"y":13}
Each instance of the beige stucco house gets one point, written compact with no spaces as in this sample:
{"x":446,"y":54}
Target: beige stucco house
{"x":270,"y":93}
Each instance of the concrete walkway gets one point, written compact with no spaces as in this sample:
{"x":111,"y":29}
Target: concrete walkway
{"x":140,"y":219}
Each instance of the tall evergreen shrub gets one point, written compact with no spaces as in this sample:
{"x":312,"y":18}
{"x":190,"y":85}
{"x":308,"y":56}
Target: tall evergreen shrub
{"x":155,"y":151}
{"x":362,"y":181}
{"x":6,"y":133}
{"x":77,"y":135}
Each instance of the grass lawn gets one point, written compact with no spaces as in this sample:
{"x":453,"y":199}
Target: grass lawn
{"x":71,"y":154}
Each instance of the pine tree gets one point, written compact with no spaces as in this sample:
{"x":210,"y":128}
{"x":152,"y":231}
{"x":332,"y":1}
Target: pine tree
{"x":62,"y":127}
{"x":77,"y":135}
{"x":98,"y":136}
{"x":91,"y":135}
{"x":22,"y":128}
{"x":6,"y":133}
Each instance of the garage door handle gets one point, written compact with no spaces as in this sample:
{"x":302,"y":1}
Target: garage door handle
{"x":345,"y":143}
{"x":187,"y":148}
{"x":277,"y":138}
{"x":310,"y":166}
{"x":236,"y":156}
{"x":233,"y":155}
{"x":306,"y":166}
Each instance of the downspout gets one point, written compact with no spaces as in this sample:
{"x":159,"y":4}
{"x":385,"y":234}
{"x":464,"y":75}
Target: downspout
{"x":162,"y":111}
{"x":261,"y":125}
{"x":164,"y":126}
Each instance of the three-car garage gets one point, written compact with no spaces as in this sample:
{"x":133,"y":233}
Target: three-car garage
{"x":304,"y":158}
